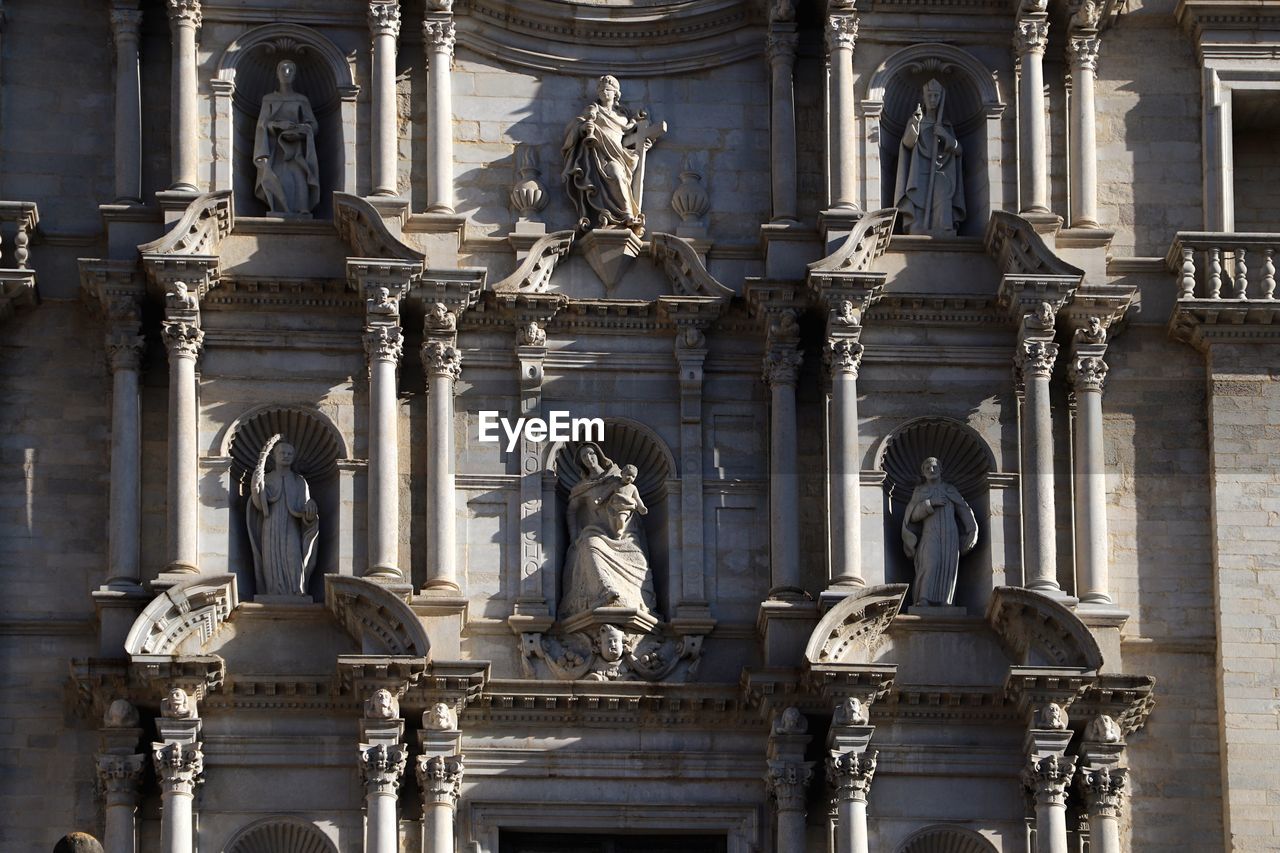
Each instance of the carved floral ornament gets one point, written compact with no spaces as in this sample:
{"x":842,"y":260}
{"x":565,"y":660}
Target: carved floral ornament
{"x":440,"y":778}
{"x":180,"y":767}
{"x":1104,"y":790}
{"x":384,"y":17}
{"x":1049,"y":777}
{"x":850,"y":773}
{"x":382,"y":767}
{"x":184,"y":12}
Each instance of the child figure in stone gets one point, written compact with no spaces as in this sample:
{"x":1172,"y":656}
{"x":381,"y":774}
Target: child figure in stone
{"x":624,"y":502}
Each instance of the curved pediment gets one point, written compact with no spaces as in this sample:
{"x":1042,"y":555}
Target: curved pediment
{"x":1017,"y":249}
{"x":1038,"y":631}
{"x":206,"y":222}
{"x":380,"y":621}
{"x":183,"y":618}
{"x":853,"y":629}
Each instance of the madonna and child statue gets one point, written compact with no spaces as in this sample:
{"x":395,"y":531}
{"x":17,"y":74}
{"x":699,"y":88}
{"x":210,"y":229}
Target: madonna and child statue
{"x":607,"y":564}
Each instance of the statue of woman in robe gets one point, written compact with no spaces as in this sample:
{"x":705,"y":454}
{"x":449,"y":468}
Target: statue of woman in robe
{"x":937,"y":529}
{"x":930,"y":183}
{"x":284,"y":149}
{"x":601,"y":568}
{"x":283,"y":521}
{"x":599,"y":166}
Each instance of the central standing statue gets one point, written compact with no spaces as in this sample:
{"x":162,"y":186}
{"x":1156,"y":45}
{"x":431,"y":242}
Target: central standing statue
{"x":930,"y":185}
{"x":283,"y":523}
{"x":284,"y":149}
{"x":937,"y":529}
{"x":606,"y":565}
{"x":604,"y":151}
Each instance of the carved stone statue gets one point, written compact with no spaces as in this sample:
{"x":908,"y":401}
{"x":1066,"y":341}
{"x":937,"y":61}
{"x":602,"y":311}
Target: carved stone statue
{"x":930,"y":183}
{"x":381,"y":705}
{"x":283,"y":521}
{"x":1051,"y":716}
{"x":604,"y":151}
{"x":937,"y":529}
{"x":850,"y":712}
{"x":120,"y":714}
{"x":284,"y":149}
{"x":606,"y":565}
{"x":1104,"y":729}
{"x":439,"y":718}
{"x":790,"y":722}
{"x":177,"y":705}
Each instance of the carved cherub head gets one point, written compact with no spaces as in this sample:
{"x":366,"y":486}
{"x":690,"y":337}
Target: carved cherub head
{"x":179,"y":297}
{"x":791,"y":722}
{"x":381,"y":706}
{"x":1104,"y":729}
{"x":850,"y":712}
{"x":381,"y":302}
{"x":629,"y":473}
{"x":1051,"y":716}
{"x":178,"y":705}
{"x":1042,"y":317}
{"x":440,"y":318}
{"x":613,"y":643}
{"x":847,"y":315}
{"x":439,"y":718}
{"x":120,"y":715}
{"x":532,"y":335}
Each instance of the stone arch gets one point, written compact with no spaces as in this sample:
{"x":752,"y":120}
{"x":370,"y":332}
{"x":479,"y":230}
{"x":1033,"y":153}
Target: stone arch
{"x":380,"y":621}
{"x":279,"y":835}
{"x":183,"y":618}
{"x":973,"y":107}
{"x":942,"y":838}
{"x":1038,"y":631}
{"x":246,"y":71}
{"x":851,"y":631}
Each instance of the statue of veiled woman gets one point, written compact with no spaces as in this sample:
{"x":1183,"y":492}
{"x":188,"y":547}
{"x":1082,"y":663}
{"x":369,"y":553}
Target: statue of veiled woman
{"x":929,"y":191}
{"x":937,"y":529}
{"x":283,"y":521}
{"x":600,"y":165}
{"x":284,"y":149}
{"x":603,"y":568}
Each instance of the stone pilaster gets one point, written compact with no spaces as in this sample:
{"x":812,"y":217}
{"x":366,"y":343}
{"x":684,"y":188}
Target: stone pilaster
{"x":438,"y":36}
{"x":441,"y":367}
{"x":781,"y":368}
{"x":841,"y":35}
{"x":384,"y":27}
{"x":532,"y":608}
{"x":1030,"y":37}
{"x":693,"y":610}
{"x":184,"y":22}
{"x":126,"y":18}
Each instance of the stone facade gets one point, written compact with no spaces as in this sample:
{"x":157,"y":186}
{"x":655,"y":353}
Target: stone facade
{"x":701,"y":626}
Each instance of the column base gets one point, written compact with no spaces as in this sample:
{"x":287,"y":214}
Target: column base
{"x":174,"y":574}
{"x":1056,"y":593}
{"x":839,"y":591}
{"x":1043,"y":220}
{"x":444,"y":616}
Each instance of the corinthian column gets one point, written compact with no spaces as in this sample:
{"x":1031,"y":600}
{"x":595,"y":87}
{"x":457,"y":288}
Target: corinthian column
{"x":125,"y":345}
{"x":125,"y":20}
{"x":179,"y":764}
{"x":383,"y":344}
{"x":781,"y":366}
{"x":184,"y":21}
{"x":441,"y":366}
{"x":1104,"y":791}
{"x":184,"y":341}
{"x":850,"y":769}
{"x":1082,"y":57}
{"x":1088,"y":374}
{"x":440,"y":779}
{"x":119,"y":777}
{"x":1029,"y":40}
{"x":781,"y":50}
{"x":1048,"y":777}
{"x":844,"y":354}
{"x":384,"y":26}
{"x":841,"y":34}
{"x":1034,"y":361}
{"x":382,"y":763}
{"x":788,"y":777}
{"x":438,"y":37}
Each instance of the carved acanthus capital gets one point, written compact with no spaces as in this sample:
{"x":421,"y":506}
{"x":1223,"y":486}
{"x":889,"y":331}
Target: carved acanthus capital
{"x":124,"y":347}
{"x":384,"y":343}
{"x":1088,"y":373}
{"x":1082,"y":52}
{"x":382,"y":767}
{"x":787,"y":781}
{"x":850,"y":773}
{"x":1048,"y":777}
{"x":440,"y":778}
{"x":179,"y":766}
{"x":119,"y":776}
{"x":780,"y":47}
{"x":1104,"y":790}
{"x":1035,"y":359}
{"x":182,"y":338}
{"x":782,"y":364}
{"x":441,"y":359}
{"x":1030,"y":35}
{"x":384,"y":17}
{"x":844,"y":355}
{"x":439,"y":36}
{"x":841,"y":32}
{"x":184,"y":13}
{"x":125,"y":24}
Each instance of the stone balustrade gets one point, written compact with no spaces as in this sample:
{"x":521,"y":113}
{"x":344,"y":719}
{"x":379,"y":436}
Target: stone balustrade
{"x":17,"y":220}
{"x":1224,"y":265}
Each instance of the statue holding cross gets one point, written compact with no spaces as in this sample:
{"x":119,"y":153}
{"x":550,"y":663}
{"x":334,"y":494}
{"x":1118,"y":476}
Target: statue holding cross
{"x":604,"y":152}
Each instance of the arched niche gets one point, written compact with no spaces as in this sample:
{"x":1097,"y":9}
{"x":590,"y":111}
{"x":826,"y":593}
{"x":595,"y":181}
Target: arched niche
{"x":246,"y":72}
{"x":319,"y":447}
{"x":626,"y":442}
{"x":973,"y":107}
{"x":942,"y":838}
{"x":966,"y":461}
{"x":279,"y":835}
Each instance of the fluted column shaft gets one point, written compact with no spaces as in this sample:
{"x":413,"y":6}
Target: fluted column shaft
{"x":781,"y":49}
{"x":184,"y":20}
{"x":384,"y":26}
{"x":128,"y":159}
{"x":1088,"y":373}
{"x":384,"y":344}
{"x":183,"y":339}
{"x":442,"y":365}
{"x":841,"y":34}
{"x":1035,"y":361}
{"x":781,"y":366}
{"x":438,"y":36}
{"x":124,"y":349}
{"x":1082,"y":55}
{"x":846,"y":486}
{"x":1029,"y":43}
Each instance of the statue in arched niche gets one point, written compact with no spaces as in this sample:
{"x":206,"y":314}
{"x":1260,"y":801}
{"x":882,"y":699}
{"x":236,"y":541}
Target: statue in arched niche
{"x":284,"y":149}
{"x":283,"y":521}
{"x":929,"y":191}
{"x":606,"y":564}
{"x":939,"y":526}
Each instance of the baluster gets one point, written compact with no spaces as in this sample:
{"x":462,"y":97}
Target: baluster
{"x":1242,"y":274}
{"x":1268,"y":275}
{"x":1188,"y":274}
{"x":20,"y":253}
{"x":1215,"y":272}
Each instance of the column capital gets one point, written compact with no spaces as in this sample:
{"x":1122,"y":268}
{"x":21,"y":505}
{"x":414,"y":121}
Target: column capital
{"x":850,"y":773}
{"x":384,"y":17}
{"x":780,"y":45}
{"x":787,"y":781}
{"x":125,"y":23}
{"x":440,"y":778}
{"x":183,"y":338}
{"x":384,"y":342}
{"x":1031,"y":35}
{"x":841,"y":32}
{"x":120,"y":776}
{"x":1034,"y":359}
{"x":843,"y":356}
{"x":1104,"y":790}
{"x":1082,"y":51}
{"x":382,"y":767}
{"x":179,"y":766}
{"x":1087,"y":373}
{"x":782,"y":356}
{"x":441,"y":359}
{"x":1048,"y":777}
{"x":184,"y":13}
{"x":439,"y":35}
{"x":124,"y":348}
